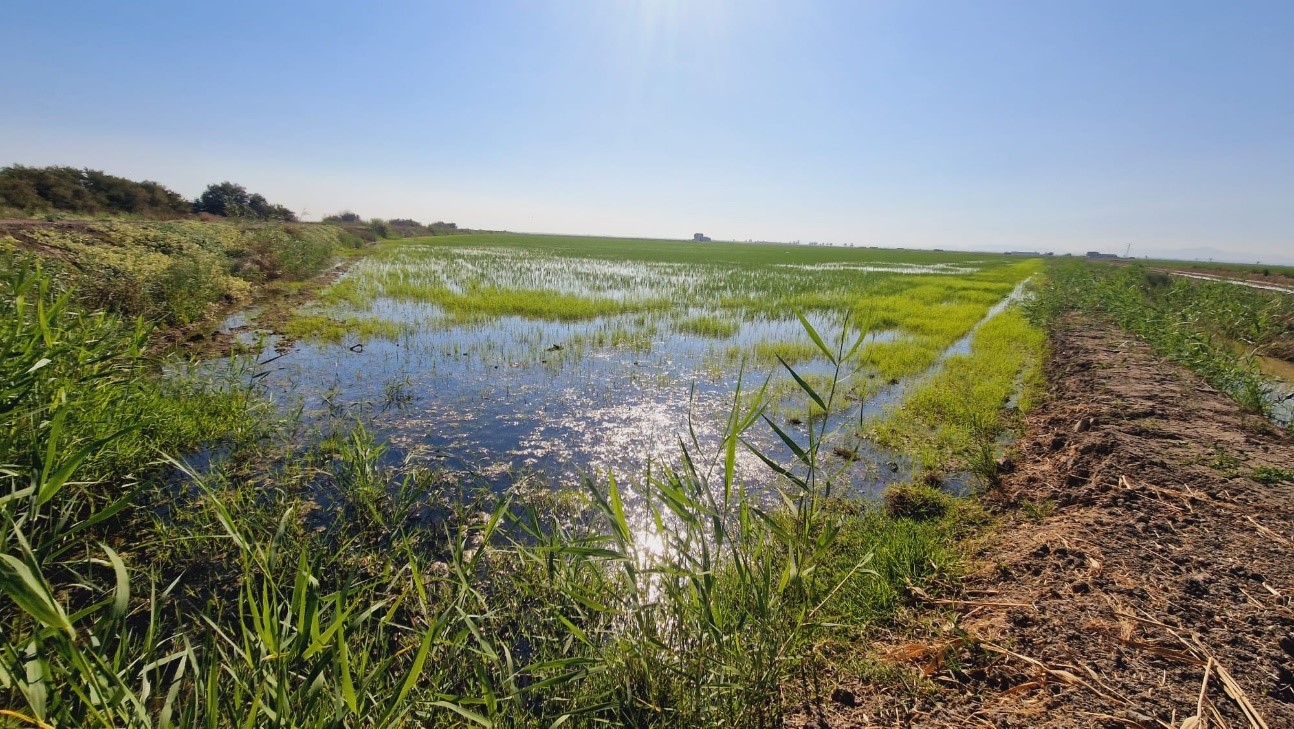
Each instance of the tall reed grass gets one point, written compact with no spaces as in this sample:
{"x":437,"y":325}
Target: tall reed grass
{"x":1184,"y":322}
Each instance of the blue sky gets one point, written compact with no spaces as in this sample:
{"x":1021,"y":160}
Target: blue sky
{"x":1067,"y":126}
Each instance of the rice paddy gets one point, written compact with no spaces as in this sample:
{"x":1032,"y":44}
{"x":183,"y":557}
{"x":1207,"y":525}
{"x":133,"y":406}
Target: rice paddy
{"x":570,"y":357}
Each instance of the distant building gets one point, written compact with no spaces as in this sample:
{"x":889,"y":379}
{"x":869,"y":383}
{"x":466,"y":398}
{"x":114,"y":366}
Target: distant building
{"x":1102,"y":256}
{"x":701,"y":238}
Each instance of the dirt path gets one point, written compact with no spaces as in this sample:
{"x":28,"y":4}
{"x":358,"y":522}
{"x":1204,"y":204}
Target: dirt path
{"x":1138,"y":554}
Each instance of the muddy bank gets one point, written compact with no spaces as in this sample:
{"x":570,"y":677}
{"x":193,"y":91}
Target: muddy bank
{"x":1144,"y":571}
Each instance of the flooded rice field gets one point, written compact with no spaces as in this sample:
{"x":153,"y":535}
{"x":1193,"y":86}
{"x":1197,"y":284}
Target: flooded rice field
{"x":508,"y":362}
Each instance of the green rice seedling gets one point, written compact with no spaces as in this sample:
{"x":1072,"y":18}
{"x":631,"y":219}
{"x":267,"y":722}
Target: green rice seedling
{"x":708,"y":325}
{"x":789,"y":352}
{"x":325,"y":328}
{"x":953,"y":417}
{"x":396,"y":393}
{"x":579,"y":278}
{"x":984,"y":429}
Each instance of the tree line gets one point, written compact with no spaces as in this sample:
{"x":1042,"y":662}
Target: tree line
{"x":393,"y":228}
{"x":35,"y":190}
{"x":86,"y":192}
{"x":29,"y":191}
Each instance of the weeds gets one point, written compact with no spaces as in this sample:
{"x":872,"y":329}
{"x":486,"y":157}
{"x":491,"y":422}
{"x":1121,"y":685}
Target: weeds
{"x":1272,"y":474}
{"x":1038,"y":509}
{"x":915,"y":501}
{"x":178,"y":272}
{"x":1225,"y":461}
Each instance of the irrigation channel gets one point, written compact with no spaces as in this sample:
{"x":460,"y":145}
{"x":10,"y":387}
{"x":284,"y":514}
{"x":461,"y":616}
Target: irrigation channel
{"x":514,"y":401}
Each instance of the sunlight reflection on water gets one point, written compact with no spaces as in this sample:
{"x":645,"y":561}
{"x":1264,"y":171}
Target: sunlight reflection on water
{"x":497,"y":398}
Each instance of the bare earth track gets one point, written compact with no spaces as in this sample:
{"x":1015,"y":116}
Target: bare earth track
{"x":1152,"y":560}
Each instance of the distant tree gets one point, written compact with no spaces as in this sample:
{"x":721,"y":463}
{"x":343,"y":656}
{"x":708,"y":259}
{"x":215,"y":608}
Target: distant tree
{"x":344,"y":216}
{"x":258,"y":205}
{"x":233,"y":201}
{"x":18,"y":190}
{"x":226,"y":198}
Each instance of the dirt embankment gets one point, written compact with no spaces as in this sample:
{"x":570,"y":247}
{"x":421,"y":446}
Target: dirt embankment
{"x":1144,"y":572}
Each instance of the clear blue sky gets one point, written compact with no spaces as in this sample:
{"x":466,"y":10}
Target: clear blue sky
{"x":1063,"y":126}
